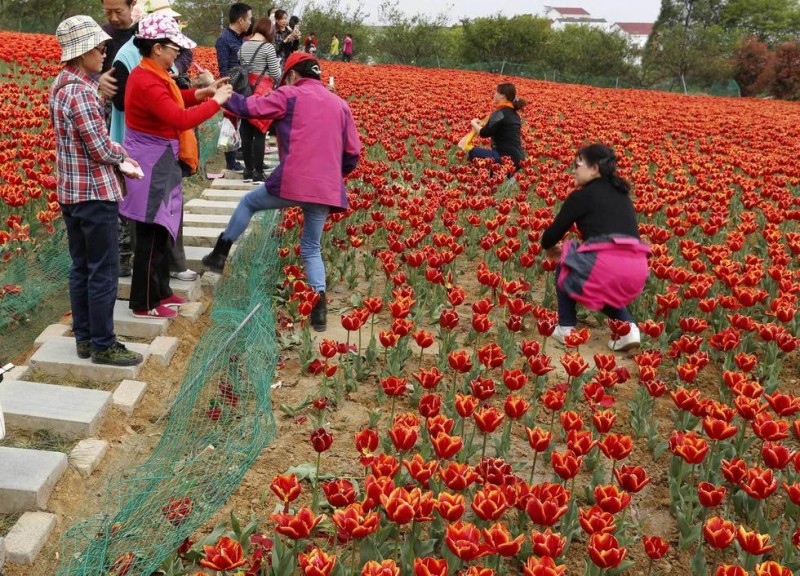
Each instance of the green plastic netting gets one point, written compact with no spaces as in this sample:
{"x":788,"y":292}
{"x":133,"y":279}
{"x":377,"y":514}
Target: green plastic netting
{"x":218,"y":424}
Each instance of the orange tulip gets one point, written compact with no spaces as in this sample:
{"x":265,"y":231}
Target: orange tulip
{"x":316,"y":563}
{"x":226,"y":554}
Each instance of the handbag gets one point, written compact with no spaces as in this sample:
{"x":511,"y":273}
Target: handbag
{"x":240,"y":75}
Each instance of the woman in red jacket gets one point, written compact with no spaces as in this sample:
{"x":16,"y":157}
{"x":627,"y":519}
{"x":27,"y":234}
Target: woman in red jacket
{"x":159,"y":119}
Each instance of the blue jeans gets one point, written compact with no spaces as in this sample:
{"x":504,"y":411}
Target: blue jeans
{"x":567,"y":308}
{"x":93,"y":240}
{"x":314,"y":216}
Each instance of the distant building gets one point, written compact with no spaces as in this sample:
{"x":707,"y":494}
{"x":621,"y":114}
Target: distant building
{"x":560,"y":16}
{"x":636,"y":32}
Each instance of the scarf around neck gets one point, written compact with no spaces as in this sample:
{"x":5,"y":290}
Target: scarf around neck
{"x":187,"y":143}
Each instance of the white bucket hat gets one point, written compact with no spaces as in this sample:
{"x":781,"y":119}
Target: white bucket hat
{"x":77,"y":35}
{"x":158,"y":25}
{"x":160,"y":6}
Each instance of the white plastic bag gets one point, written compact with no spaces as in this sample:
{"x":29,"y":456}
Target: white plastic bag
{"x":229,"y":138}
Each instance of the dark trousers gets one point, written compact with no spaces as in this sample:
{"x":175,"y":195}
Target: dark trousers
{"x":177,"y":253}
{"x":484,"y":153}
{"x":150,"y":282}
{"x":567,"y":308}
{"x":94,"y":248}
{"x":253,"y":142}
{"x":127,"y":239}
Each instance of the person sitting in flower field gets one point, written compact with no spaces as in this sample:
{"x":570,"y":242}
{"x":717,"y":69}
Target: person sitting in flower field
{"x":88,"y":191}
{"x":607,"y":271}
{"x":315,"y":128}
{"x":503,"y":126}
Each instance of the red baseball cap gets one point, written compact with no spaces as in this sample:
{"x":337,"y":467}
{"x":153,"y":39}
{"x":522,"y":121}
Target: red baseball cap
{"x":293,"y":60}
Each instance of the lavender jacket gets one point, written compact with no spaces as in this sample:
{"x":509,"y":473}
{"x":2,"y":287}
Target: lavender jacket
{"x":607,"y":270}
{"x":317,"y":141}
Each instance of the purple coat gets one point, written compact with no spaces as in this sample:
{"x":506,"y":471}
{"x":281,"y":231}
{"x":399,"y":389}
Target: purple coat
{"x":318,"y":142}
{"x":608,"y":270}
{"x":158,"y":197}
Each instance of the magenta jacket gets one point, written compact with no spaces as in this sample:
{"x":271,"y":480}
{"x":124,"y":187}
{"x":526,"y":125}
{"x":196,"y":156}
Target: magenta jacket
{"x":317,"y":141}
{"x":607,"y":270}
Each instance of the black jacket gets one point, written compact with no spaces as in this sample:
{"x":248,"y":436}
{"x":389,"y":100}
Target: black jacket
{"x":503,"y":127}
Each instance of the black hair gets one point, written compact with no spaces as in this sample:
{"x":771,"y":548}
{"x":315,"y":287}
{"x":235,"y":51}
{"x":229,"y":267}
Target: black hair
{"x":308,"y":69}
{"x":279,"y":14}
{"x":605,"y":159}
{"x":145,"y":45}
{"x":293,"y":21}
{"x":238,"y":10}
{"x":508,"y":90}
{"x":128,"y":2}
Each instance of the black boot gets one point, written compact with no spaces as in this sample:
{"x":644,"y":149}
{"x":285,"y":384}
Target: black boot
{"x":216,"y":260}
{"x":319,"y":314}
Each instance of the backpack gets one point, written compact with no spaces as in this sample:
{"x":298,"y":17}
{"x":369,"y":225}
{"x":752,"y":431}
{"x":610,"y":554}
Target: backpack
{"x":240,"y":76}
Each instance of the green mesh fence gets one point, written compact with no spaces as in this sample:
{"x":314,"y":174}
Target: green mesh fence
{"x":217,"y":426}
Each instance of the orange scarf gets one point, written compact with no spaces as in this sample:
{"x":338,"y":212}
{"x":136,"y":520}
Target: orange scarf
{"x":505,"y":104}
{"x":187,"y":143}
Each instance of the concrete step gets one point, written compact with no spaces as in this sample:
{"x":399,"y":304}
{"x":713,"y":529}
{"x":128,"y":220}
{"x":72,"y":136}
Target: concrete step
{"x":187,"y":290}
{"x":231,"y":184}
{"x":194,"y":255}
{"x":57,"y":358}
{"x":63,"y":410}
{"x":200,"y":236}
{"x":225,"y":195}
{"x":27,"y":478}
{"x":200,"y":206}
{"x":206,"y":221}
{"x":126,"y":324}
{"x":28,"y":536}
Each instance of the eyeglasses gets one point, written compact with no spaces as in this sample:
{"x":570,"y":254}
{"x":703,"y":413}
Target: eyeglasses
{"x":176,"y":48}
{"x":101,"y":48}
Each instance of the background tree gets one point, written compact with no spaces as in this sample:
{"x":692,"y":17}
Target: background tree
{"x":407,"y":39}
{"x":583,"y":51}
{"x":521,"y":39}
{"x":753,"y":66}
{"x":769,"y":20}
{"x":326,"y":19}
{"x":43,"y":16}
{"x":786,"y":71}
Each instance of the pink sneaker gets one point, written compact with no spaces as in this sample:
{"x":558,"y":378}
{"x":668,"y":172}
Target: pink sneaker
{"x":157,"y":312}
{"x":173,"y":301}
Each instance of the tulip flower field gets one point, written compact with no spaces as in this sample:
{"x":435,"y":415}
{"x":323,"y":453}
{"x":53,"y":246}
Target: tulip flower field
{"x":444,"y":431}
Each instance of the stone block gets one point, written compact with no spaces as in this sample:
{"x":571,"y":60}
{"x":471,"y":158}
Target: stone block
{"x":128,"y":395}
{"x":16,"y":373}
{"x":192,"y":310}
{"x":57,"y":359}
{"x":50,"y":332}
{"x":232,"y":184}
{"x":27,"y":478}
{"x":200,"y":236}
{"x":87,"y":455}
{"x":2,"y":552}
{"x":126,"y":324}
{"x":201,"y":206}
{"x":224,"y":195}
{"x":163,"y":348}
{"x":219,"y":221}
{"x":62,"y":410}
{"x":28,"y":536}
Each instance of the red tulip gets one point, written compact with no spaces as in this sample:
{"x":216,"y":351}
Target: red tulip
{"x":603,"y":420}
{"x":403,"y":437}
{"x":428,"y":379}
{"x":730,"y":570}
{"x":384,"y":568}
{"x":450,"y":506}
{"x":487,"y":419}
{"x":295,"y":527}
{"x":460,"y":361}
{"x":538,"y":438}
{"x":430,"y":567}
{"x":734,"y":470}
{"x":499,"y":541}
{"x":515,"y":406}
{"x":384,"y":466}
{"x":446,"y":446}
{"x":339,"y":493}
{"x":616,"y":446}
{"x":458,"y":476}
{"x":394,"y":385}
{"x":776,"y":455}
{"x":177,"y":510}
{"x":759,"y":483}
{"x":655,"y":547}
{"x":610,"y":499}
{"x":595,"y":519}
{"x":544,"y":566}
{"x":566,"y":464}
{"x":489,"y":503}
{"x":430,"y":405}
{"x":321,"y":440}
{"x":605,"y":551}
{"x":631,"y":478}
{"x":718,"y":532}
{"x":772,"y":568}
{"x":420,"y":470}
{"x":226,"y":554}
{"x":710,"y":495}
{"x":464,"y":540}
{"x":574,"y":364}
{"x":316,"y":563}
{"x":548,"y":543}
{"x":547,"y":503}
{"x":753,"y":543}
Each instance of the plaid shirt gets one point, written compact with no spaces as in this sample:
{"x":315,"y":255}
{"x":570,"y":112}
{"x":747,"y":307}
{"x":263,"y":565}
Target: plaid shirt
{"x":86,"y":157}
{"x":227,"y":47}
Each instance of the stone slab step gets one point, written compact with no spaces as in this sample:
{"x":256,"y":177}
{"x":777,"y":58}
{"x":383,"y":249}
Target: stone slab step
{"x":27,"y":478}
{"x":187,"y":290}
{"x":28,"y":536}
{"x":206,"y":220}
{"x":231,"y":184}
{"x":201,"y":206}
{"x":57,"y":359}
{"x":196,"y":236}
{"x":126,"y":324}
{"x":63,"y":410}
{"x":225,"y":195}
{"x":194,"y":255}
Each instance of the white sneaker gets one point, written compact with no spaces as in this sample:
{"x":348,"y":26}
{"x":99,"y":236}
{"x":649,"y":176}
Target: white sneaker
{"x":187,"y":275}
{"x":630,"y":341}
{"x":561,"y":332}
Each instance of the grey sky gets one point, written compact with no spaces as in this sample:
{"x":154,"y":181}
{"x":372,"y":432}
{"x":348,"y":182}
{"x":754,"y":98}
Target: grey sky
{"x":611,"y":10}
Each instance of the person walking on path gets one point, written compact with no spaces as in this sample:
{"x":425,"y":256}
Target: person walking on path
{"x":334,"y":47}
{"x":265,"y":74}
{"x":159,"y":120}
{"x":88,"y":191}
{"x":240,"y":17}
{"x":347,"y":53}
{"x":607,"y":271}
{"x":318,"y":145}
{"x":503,"y":126}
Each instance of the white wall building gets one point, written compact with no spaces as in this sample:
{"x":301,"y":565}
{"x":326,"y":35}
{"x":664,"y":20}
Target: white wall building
{"x":561,"y":16}
{"x":636,"y":32}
